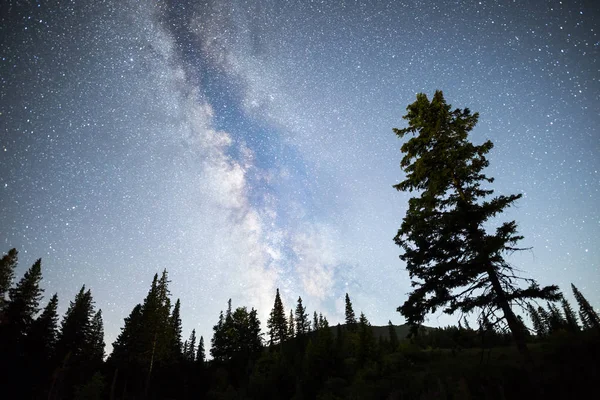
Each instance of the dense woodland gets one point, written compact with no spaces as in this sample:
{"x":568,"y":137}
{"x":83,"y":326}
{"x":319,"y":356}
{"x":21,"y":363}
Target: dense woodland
{"x":300,"y":356}
{"x":549,"y":349}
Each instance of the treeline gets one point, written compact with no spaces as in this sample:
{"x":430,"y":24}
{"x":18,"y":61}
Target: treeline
{"x":300,"y":356}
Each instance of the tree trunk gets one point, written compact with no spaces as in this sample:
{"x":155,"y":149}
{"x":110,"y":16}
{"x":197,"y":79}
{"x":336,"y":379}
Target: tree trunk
{"x":511,"y":319}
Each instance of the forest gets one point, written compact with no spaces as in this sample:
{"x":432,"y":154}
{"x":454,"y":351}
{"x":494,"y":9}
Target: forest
{"x":528,"y":341}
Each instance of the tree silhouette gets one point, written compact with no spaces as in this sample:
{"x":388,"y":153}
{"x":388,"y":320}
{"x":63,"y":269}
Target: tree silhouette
{"x":200,"y":355}
{"x":570,"y":317}
{"x":453,"y":262}
{"x":24,"y":301}
{"x":8,"y":263}
{"x":302,"y":321}
{"x":277,"y":324}
{"x":350,"y":316}
{"x":291,"y":325}
{"x":539,"y":325}
{"x":190,"y":353}
{"x":589,"y":317}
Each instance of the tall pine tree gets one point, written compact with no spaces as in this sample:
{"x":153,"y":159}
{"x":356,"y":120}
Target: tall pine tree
{"x":291,"y":325}
{"x":350,"y":316}
{"x":24,"y":302}
{"x":453,"y":261}
{"x":44,"y":331}
{"x":277,"y":323}
{"x":570,"y":317}
{"x":302,"y":321}
{"x":200,"y":355}
{"x":589,"y":317}
{"x":8,"y":263}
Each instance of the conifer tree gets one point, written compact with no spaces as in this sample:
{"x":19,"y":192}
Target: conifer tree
{"x":191,"y":348}
{"x":589,"y":317}
{"x":200,"y":355}
{"x":96,"y":339}
{"x":302,"y":321}
{"x":366,"y":339}
{"x":76,"y":327}
{"x":126,"y":348}
{"x":350,"y":316}
{"x":291,"y":325}
{"x":8,"y":263}
{"x":41,"y":340}
{"x":176,"y":330}
{"x":453,"y":261}
{"x":277,"y":323}
{"x":315,"y":322}
{"x":24,"y":301}
{"x":570,"y":317}
{"x":394,"y":342}
{"x":539,"y":325}
{"x":545,"y":317}
{"x":556,"y":319}
{"x":217,"y":348}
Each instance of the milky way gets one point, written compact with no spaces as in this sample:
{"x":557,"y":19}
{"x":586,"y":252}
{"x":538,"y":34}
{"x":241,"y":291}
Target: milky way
{"x":246,"y":146}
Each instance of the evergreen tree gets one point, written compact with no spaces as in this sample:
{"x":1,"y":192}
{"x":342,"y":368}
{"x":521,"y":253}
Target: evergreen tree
{"x":200,"y":355}
{"x":126,"y":348}
{"x":394,"y":342}
{"x":176,"y":330}
{"x":218,"y":346}
{"x":191,"y":348}
{"x":539,"y":325}
{"x":453,"y":262}
{"x":44,"y":330}
{"x":8,"y":263}
{"x":96,"y":339}
{"x":277,"y":323}
{"x":366,"y":340}
{"x":570,"y":317}
{"x":350,"y":316}
{"x":556,"y":319}
{"x":545,"y":317}
{"x":302,"y":321}
{"x":24,"y":301}
{"x":315,"y":322}
{"x":589,"y":317}
{"x":76,"y":327}
{"x":291,"y":325}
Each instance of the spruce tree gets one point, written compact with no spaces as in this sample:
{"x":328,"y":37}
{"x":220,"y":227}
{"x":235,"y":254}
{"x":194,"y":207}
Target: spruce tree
{"x":126,"y":348}
{"x":217,"y":348}
{"x":8,"y":263}
{"x":191,"y":348}
{"x":176,"y":330}
{"x":302,"y":321}
{"x":291,"y":325}
{"x":96,"y":339}
{"x":557,"y":322}
{"x":277,"y":323}
{"x":76,"y":326}
{"x":44,"y":331}
{"x":200,"y":355}
{"x":453,"y":261}
{"x":589,"y":317}
{"x":546,"y":318}
{"x":539,"y":325}
{"x":570,"y":317}
{"x":315,"y":322}
{"x":24,"y":300}
{"x":350,"y":316}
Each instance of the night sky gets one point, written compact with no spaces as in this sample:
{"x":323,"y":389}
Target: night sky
{"x":248,"y":145}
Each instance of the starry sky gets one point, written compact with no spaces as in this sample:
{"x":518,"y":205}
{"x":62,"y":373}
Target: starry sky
{"x":247,"y":145}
